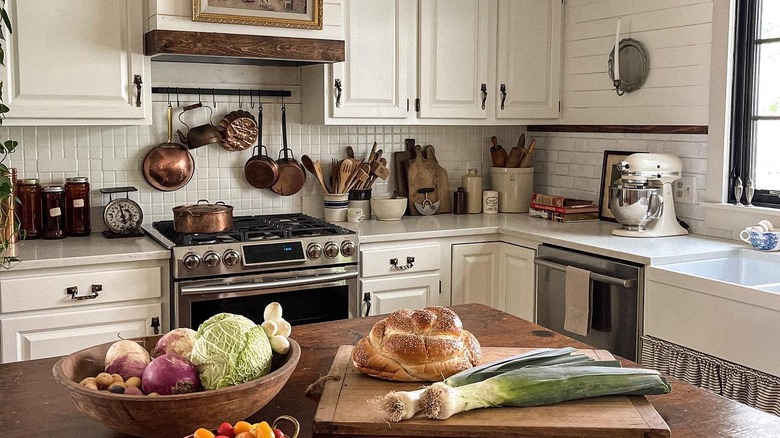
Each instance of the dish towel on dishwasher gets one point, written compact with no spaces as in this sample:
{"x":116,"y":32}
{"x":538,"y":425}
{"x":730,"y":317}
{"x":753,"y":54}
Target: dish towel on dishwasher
{"x":578,"y":301}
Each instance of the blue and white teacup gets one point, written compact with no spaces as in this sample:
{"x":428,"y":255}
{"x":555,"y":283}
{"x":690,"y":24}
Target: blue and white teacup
{"x":761,"y":240}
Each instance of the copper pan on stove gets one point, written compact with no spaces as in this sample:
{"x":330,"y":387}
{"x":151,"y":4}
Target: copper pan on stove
{"x":168,"y":166}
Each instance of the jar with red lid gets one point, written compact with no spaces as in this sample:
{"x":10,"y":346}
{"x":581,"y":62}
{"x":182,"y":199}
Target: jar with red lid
{"x":77,"y":222}
{"x":53,"y":206}
{"x":28,"y":190}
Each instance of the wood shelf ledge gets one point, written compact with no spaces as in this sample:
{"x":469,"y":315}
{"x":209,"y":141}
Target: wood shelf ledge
{"x":623,"y":129}
{"x":225,"y":48}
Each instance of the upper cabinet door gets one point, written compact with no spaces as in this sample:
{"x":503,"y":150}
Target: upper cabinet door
{"x":528,"y":59}
{"x":377,"y":77}
{"x":74,"y":63}
{"x":454,"y":42}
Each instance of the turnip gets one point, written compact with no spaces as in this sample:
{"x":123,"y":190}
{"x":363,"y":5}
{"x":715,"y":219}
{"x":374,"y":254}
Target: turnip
{"x":177,"y":341}
{"x":170,"y":374}
{"x":126,"y":358}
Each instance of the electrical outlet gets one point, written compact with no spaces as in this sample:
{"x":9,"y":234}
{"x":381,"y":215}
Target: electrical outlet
{"x":685,"y":190}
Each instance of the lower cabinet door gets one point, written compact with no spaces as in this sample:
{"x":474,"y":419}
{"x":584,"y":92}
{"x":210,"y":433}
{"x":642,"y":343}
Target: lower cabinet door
{"x":386,"y":295}
{"x":57,"y":334}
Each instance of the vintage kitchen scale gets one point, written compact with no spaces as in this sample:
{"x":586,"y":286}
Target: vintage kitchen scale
{"x":122,"y":216}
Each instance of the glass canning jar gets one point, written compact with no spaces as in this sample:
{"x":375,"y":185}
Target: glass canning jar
{"x":28,"y":190}
{"x":77,"y":222}
{"x":53,"y":205}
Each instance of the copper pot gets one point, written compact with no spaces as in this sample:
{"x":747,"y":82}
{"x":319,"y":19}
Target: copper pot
{"x":168,"y":166}
{"x":203,"y":217}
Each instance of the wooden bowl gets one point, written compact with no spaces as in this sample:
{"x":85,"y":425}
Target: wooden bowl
{"x":168,"y":415}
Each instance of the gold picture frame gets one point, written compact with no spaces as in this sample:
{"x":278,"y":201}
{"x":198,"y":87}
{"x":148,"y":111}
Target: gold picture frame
{"x":609,"y":176}
{"x":298,"y":14}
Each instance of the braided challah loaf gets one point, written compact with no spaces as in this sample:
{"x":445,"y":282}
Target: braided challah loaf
{"x":421,"y":345}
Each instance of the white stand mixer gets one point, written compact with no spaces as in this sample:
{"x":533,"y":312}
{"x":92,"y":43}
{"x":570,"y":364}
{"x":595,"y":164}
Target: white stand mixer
{"x":643,"y":202}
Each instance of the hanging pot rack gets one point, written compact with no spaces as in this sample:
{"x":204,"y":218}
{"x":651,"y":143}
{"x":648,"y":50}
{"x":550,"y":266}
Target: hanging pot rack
{"x":219,"y":92}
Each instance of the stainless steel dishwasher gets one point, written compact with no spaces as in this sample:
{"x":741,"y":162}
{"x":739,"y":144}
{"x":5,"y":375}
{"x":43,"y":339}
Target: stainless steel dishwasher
{"x":616,"y":302}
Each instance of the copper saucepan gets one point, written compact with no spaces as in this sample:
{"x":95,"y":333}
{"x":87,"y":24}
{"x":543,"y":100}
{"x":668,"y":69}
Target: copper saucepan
{"x":260,"y":170}
{"x":291,"y":173}
{"x":203,"y":217}
{"x":168,"y":166}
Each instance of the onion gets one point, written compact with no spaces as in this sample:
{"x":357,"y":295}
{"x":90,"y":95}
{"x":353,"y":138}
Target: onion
{"x":126,"y":358}
{"x":170,"y":374}
{"x":177,"y":341}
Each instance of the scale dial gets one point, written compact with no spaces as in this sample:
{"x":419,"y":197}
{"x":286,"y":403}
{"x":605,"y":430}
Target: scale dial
{"x":123,"y":216}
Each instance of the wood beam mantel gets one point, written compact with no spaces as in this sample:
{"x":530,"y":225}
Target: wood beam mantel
{"x":171,"y":45}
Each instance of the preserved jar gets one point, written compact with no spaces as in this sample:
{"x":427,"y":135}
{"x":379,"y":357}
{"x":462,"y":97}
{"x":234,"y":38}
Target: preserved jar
{"x":460,"y":201}
{"x":77,"y":222}
{"x":472,"y":184}
{"x":28,"y":190}
{"x":53,"y":206}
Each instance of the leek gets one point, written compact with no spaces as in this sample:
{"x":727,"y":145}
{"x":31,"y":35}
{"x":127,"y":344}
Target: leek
{"x":541,"y":385}
{"x":403,"y":405}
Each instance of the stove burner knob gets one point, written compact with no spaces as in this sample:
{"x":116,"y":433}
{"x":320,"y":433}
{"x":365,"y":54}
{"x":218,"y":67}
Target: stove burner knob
{"x":314,"y":251}
{"x":191,"y":261}
{"x":331,"y":250}
{"x":348,"y":248}
{"x":230,"y":257}
{"x":211,"y":259}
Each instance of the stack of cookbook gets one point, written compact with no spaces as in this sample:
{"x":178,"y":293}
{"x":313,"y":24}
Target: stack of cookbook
{"x":562,"y":209}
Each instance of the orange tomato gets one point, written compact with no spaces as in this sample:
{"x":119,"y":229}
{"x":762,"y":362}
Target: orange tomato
{"x":262,"y":430}
{"x":203,"y":433}
{"x":241,"y":426}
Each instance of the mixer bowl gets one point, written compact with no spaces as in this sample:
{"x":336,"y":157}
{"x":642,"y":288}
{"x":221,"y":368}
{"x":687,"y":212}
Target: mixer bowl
{"x":635,"y":207}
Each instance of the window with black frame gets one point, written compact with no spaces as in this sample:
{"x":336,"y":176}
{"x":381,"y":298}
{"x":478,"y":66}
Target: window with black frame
{"x":755,"y":132}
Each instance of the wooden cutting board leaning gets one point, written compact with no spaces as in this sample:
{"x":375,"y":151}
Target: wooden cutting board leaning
{"x":424,"y":172}
{"x":345,"y":409}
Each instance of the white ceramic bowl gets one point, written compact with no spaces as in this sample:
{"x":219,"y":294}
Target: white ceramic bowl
{"x":387,"y":209}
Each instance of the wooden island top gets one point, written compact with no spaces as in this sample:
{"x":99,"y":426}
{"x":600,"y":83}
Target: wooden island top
{"x":33,"y":404}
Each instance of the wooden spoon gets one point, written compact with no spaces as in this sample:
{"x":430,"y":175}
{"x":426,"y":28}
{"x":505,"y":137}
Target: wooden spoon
{"x":346,"y":168}
{"x":315,"y":169}
{"x":318,"y":170}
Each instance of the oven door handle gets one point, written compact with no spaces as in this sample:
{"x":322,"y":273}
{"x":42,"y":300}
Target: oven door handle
{"x":594,"y":276}
{"x":237,"y":287}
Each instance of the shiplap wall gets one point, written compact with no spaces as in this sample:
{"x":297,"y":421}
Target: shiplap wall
{"x":677,"y":35}
{"x":177,"y":15}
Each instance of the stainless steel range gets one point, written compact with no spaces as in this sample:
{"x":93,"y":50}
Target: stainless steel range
{"x":308,"y":265}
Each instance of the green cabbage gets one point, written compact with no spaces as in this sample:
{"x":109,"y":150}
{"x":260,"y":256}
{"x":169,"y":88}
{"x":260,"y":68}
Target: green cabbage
{"x":230,"y":349}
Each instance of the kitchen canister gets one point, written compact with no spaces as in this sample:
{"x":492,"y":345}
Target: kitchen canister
{"x":361,"y":198}
{"x":472,"y":185}
{"x":459,"y":204}
{"x":490,"y":202}
{"x":336,"y":207}
{"x":514,"y":187}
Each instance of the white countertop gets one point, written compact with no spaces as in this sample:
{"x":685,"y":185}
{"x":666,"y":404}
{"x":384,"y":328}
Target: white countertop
{"x":88,"y":250}
{"x":593,"y":237}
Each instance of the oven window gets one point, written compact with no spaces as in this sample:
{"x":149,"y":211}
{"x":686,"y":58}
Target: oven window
{"x":300,"y":307}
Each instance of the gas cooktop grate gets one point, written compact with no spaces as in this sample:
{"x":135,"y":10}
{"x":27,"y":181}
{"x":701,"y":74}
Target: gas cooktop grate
{"x":256,"y":228}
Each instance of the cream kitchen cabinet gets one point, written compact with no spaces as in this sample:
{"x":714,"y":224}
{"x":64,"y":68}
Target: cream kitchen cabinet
{"x":399,"y":276}
{"x":55,"y":311}
{"x":496,"y":274}
{"x":441,"y":62}
{"x":76,"y":62}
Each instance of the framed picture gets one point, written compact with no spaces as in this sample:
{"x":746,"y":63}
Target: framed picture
{"x":301,"y":14}
{"x":609,"y":176}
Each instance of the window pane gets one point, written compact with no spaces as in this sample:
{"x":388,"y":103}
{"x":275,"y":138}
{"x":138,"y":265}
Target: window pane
{"x":768,"y":87}
{"x":767,"y":154}
{"x":770,"y":19}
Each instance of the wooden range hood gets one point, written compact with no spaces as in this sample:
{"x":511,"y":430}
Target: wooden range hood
{"x":224,"y":48}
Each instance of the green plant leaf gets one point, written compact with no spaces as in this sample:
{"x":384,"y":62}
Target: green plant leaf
{"x":4,"y":109}
{"x":10,"y":145}
{"x":6,"y":20}
{"x":2,"y":55}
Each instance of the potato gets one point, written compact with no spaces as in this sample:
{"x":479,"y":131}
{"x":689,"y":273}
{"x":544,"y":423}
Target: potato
{"x":133,"y":382}
{"x":132,"y":390}
{"x":88,"y":380}
{"x":104,"y":379}
{"x":117,"y":378}
{"x":117,"y":384}
{"x":91,"y":385}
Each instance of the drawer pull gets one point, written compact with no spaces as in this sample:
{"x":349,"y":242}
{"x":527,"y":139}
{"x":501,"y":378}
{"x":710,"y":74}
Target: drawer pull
{"x":409,"y":264}
{"x":73,"y":291}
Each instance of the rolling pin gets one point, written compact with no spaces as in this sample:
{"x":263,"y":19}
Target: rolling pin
{"x":526,"y":161}
{"x":497,"y":153}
